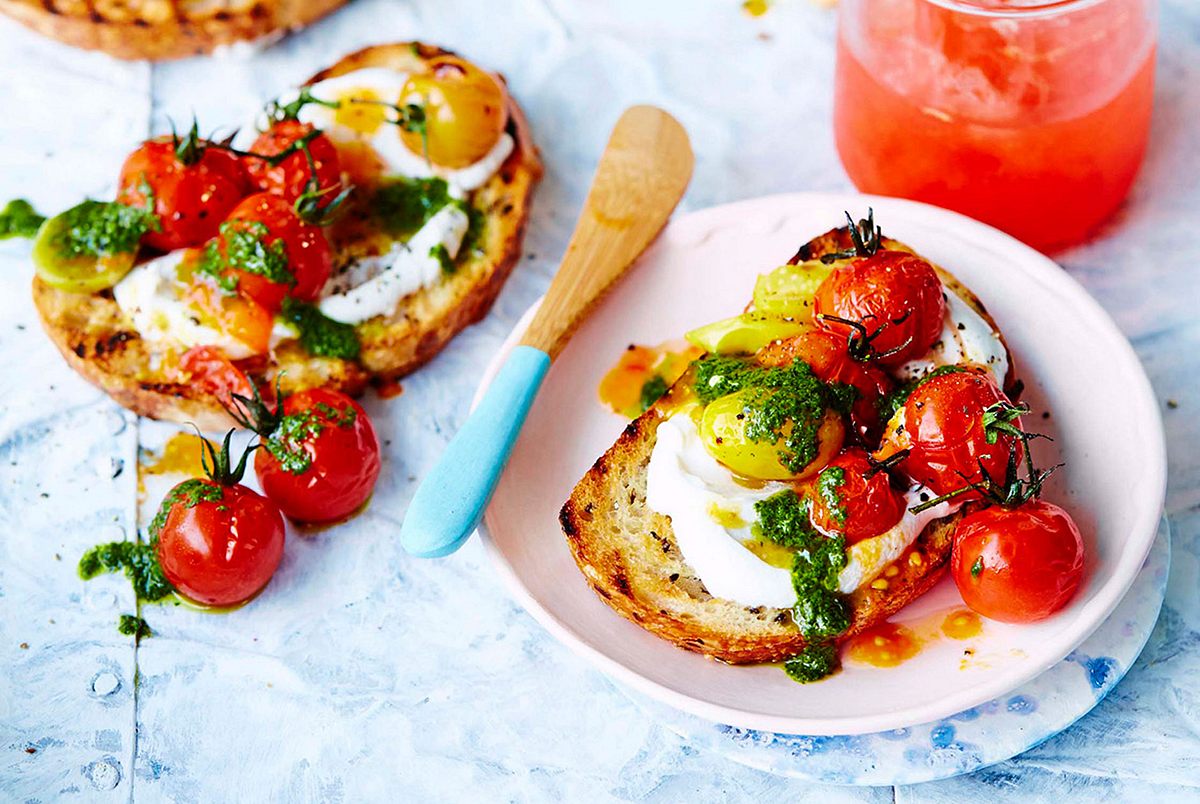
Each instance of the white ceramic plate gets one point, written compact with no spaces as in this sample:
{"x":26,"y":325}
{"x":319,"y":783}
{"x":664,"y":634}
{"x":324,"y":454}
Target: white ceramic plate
{"x":1075,"y":364}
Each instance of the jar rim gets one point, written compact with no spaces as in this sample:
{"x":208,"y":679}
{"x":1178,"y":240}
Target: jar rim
{"x":1037,"y":8}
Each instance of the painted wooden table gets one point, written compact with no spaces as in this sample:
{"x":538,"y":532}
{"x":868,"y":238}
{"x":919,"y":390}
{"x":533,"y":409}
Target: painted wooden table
{"x":364,"y":674}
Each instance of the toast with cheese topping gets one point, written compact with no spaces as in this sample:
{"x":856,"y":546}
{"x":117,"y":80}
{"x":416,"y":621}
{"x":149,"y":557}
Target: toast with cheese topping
{"x":629,"y":555}
{"x":159,"y":29}
{"x":99,"y":341}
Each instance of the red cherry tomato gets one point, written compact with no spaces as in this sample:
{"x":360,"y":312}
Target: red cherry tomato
{"x":290,"y":178}
{"x":208,"y":369}
{"x":1017,"y":565}
{"x":322,"y":460}
{"x":942,"y":426}
{"x":855,"y":499}
{"x":273,"y":223}
{"x":896,"y":296}
{"x":827,"y":354}
{"x":218,"y":545}
{"x":190,"y":198}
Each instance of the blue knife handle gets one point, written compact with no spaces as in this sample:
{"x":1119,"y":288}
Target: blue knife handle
{"x":451,"y":499}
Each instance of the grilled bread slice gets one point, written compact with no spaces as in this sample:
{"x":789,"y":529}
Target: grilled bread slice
{"x":100,"y":343}
{"x":160,"y":29}
{"x":629,"y":555}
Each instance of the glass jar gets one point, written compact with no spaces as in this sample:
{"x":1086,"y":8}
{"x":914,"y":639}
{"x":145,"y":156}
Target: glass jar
{"x":1029,"y":115}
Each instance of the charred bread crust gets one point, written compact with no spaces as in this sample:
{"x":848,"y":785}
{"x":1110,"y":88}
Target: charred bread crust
{"x":98,"y":342}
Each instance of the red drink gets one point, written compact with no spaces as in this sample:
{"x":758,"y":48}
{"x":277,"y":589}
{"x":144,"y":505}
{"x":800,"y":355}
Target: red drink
{"x":1031,"y":116}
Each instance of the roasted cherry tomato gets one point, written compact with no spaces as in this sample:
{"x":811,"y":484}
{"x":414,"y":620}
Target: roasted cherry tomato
{"x":292,"y":176}
{"x":942,"y":424}
{"x":895,"y":296}
{"x":218,"y":542}
{"x":194,"y":186}
{"x":1017,"y":565}
{"x":855,"y":498}
{"x":209,"y":370}
{"x":320,"y":457}
{"x":465,"y":112}
{"x":828,"y":356}
{"x":271,"y":251}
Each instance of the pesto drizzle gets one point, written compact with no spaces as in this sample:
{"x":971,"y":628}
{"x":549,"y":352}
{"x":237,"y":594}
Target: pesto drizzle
{"x":812,"y":664}
{"x":287,"y":441}
{"x":829,"y":481}
{"x":652,"y":391}
{"x":134,"y":626}
{"x":320,"y":335}
{"x":19,"y":219}
{"x":777,"y":396}
{"x":103,"y":228}
{"x":245,"y":249}
{"x":820,"y":612}
{"x":139,"y":560}
{"x":403,"y":205}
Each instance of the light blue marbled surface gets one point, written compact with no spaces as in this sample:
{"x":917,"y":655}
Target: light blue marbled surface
{"x":364,"y":674}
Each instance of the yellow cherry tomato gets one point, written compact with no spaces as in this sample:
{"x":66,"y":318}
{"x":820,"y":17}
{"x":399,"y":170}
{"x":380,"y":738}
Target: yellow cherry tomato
{"x":744,"y":334}
{"x":77,"y":272}
{"x":789,"y":290}
{"x":723,"y":429}
{"x":465,"y":112}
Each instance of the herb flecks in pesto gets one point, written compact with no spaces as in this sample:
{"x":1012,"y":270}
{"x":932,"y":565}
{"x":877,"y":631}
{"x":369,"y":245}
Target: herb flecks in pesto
{"x":440,"y":253}
{"x":19,"y":219}
{"x":782,"y":403}
{"x":103,"y":228}
{"x":829,"y":481}
{"x":287,"y":442}
{"x":134,"y":626}
{"x":245,"y":249}
{"x":652,"y":391}
{"x":812,"y":664}
{"x":402,"y":205}
{"x":189,"y":494}
{"x":320,"y":335}
{"x":137,"y":560}
{"x":820,"y":611}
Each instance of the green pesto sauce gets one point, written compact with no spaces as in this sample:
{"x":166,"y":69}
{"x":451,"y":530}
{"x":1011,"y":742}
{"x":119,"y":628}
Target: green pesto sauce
{"x":19,"y":219}
{"x":287,"y":442}
{"x":829,"y":481}
{"x":812,"y":664}
{"x":246,"y":249}
{"x":820,"y":612}
{"x":139,"y":563}
{"x":403,"y":205}
{"x":440,"y":253}
{"x":103,"y":228}
{"x":779,"y":396}
{"x":652,"y":391}
{"x":134,"y":626}
{"x":320,"y":335}
{"x":189,"y":494}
